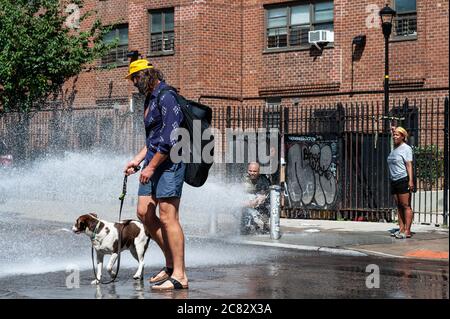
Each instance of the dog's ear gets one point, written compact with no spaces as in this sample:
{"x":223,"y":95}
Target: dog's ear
{"x":94,"y":214}
{"x":80,"y":223}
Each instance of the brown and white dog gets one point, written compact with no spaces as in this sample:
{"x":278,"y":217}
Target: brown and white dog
{"x":105,"y":240}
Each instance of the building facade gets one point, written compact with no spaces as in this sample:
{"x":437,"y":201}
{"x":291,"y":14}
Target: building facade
{"x":245,"y":58}
{"x":256,"y":52}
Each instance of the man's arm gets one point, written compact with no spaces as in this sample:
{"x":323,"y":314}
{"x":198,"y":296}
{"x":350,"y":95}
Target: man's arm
{"x":129,"y":168}
{"x":141,"y":155}
{"x":172,"y":117}
{"x":148,"y":172}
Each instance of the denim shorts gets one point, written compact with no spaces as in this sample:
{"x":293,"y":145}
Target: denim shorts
{"x":167,"y":181}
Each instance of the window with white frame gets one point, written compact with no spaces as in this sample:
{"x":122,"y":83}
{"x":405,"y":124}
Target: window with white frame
{"x":405,"y":22}
{"x":162,"y":35}
{"x":287,"y":26}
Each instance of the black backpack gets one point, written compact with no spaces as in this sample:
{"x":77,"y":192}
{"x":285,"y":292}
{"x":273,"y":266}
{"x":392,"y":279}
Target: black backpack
{"x":196,"y":174}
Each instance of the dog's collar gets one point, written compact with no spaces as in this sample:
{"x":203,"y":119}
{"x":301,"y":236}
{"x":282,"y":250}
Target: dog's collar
{"x":94,"y":233}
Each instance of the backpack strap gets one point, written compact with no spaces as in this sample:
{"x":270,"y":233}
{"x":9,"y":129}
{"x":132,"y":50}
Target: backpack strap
{"x":167,"y":89}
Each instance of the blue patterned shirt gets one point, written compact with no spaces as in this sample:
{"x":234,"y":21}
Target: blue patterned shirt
{"x":160,"y":121}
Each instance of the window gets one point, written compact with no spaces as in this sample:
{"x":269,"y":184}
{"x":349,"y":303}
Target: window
{"x":405,"y":23}
{"x":272,"y":113}
{"x":288,"y":26}
{"x":118,"y":55}
{"x":323,"y":16}
{"x":162,"y":33}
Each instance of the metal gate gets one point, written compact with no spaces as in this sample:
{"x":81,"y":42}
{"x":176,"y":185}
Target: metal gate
{"x":335,"y":154}
{"x":342,"y":149}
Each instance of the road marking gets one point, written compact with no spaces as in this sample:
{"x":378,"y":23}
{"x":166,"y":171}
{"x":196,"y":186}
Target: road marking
{"x":334,"y":251}
{"x":344,"y":252}
{"x":407,"y":255}
{"x":291,"y":246}
{"x":377,"y":253}
{"x":428,"y":254}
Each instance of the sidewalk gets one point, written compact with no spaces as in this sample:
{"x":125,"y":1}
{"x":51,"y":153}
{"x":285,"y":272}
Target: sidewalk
{"x":357,"y":239}
{"x":337,"y":237}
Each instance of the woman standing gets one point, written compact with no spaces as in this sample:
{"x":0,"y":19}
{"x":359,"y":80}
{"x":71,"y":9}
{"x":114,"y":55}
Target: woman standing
{"x":402,"y":183}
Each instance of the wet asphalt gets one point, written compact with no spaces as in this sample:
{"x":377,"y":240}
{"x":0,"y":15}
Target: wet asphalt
{"x":36,"y":259}
{"x":293,"y":276}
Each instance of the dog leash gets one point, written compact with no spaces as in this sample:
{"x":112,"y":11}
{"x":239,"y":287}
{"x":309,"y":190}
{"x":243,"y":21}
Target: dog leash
{"x":121,"y":198}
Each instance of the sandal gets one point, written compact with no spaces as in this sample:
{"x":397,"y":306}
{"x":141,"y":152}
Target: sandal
{"x":168,"y":272}
{"x":176,"y":285}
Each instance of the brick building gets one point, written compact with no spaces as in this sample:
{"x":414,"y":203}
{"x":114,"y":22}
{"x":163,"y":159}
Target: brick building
{"x":253,"y":52}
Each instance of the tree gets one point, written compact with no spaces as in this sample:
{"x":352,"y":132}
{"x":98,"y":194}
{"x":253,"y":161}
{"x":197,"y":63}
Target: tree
{"x":39,"y":50}
{"x":41,"y":47}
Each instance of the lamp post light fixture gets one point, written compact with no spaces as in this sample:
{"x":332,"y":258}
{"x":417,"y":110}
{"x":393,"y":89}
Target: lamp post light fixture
{"x":387,"y":15}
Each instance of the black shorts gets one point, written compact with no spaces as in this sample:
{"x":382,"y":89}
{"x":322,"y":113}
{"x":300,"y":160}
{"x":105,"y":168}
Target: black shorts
{"x":400,"y":186}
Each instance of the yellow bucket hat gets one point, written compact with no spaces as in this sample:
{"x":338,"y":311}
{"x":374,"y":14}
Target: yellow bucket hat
{"x":137,"y":66}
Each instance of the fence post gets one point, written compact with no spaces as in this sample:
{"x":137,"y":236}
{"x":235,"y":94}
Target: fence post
{"x":282,"y":158}
{"x":340,"y":169}
{"x":446,"y":162}
{"x":228,"y":144}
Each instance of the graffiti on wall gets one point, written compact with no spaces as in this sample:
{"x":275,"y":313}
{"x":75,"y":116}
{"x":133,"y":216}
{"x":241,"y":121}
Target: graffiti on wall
{"x":312,"y":171}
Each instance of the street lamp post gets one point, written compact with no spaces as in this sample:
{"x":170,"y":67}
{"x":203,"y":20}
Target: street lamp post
{"x":386,"y":14}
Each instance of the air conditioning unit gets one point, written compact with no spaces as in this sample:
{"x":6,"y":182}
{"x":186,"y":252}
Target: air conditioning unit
{"x":320,"y":36}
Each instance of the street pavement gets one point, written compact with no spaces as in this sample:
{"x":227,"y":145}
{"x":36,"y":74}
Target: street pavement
{"x":44,"y":259}
{"x":339,"y":237}
{"x":357,"y":238}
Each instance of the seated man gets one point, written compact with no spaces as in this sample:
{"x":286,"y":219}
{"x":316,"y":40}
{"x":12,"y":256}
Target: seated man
{"x":256,"y":212}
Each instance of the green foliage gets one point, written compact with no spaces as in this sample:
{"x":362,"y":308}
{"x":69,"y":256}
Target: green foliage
{"x":429,"y":164}
{"x":39,"y":51}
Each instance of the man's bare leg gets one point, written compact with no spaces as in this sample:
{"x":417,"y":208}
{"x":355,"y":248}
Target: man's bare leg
{"x":173,"y":231}
{"x":146,"y":212}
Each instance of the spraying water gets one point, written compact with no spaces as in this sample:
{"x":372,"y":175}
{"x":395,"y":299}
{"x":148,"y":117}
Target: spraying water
{"x":42,"y":201}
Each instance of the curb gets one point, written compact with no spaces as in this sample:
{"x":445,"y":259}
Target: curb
{"x":330,"y":250}
{"x":345,"y":251}
{"x":352,"y":252}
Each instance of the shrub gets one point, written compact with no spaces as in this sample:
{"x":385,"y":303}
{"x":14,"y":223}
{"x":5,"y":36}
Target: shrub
{"x":429,"y":164}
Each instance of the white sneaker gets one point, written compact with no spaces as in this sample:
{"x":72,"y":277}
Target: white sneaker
{"x":394,"y":234}
{"x":400,"y":236}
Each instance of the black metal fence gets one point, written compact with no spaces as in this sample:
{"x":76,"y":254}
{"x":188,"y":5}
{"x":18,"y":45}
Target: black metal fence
{"x":334,"y":155}
{"x":70,"y":130}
